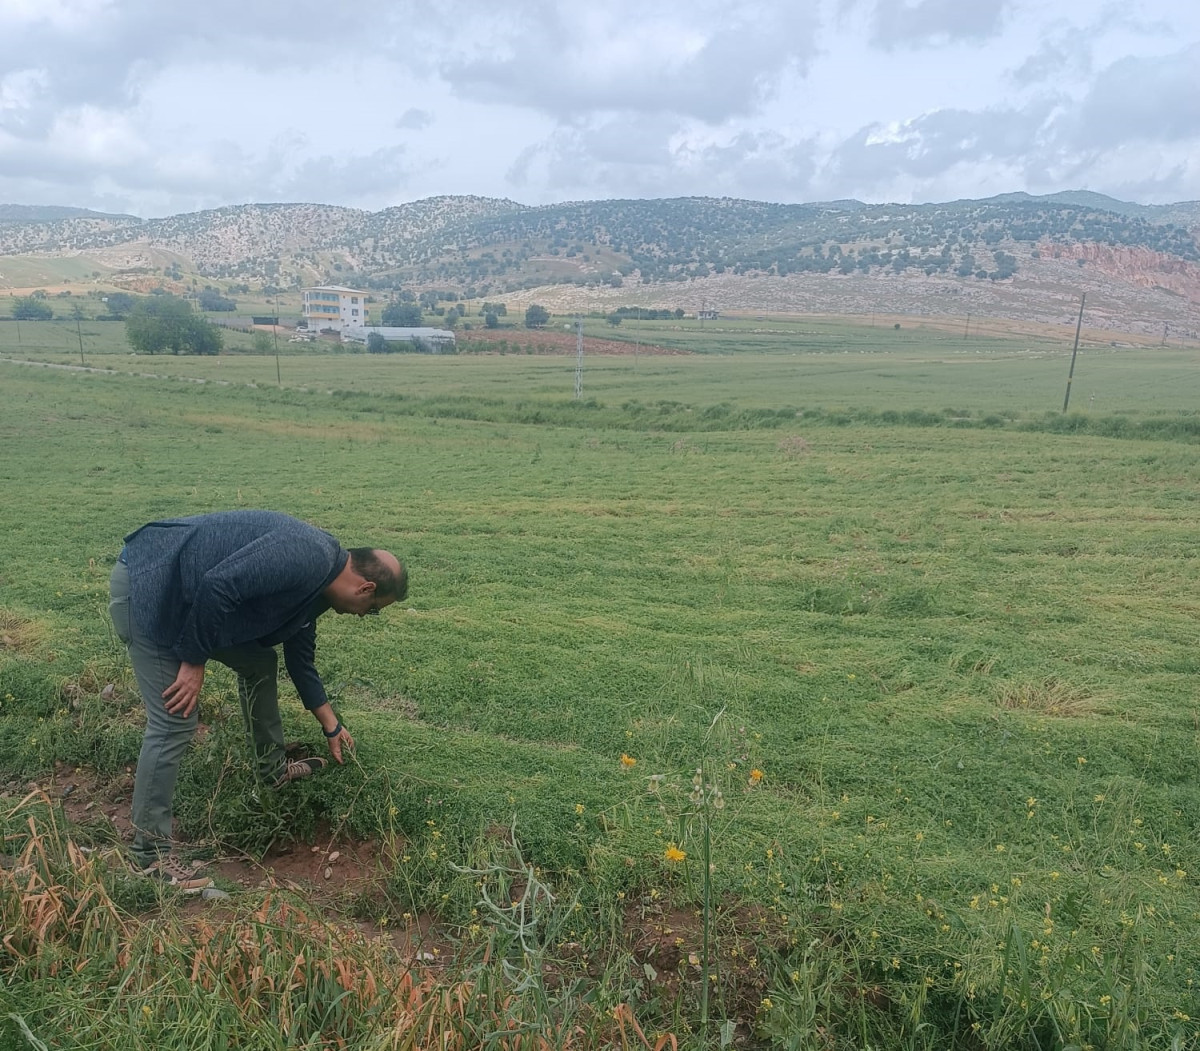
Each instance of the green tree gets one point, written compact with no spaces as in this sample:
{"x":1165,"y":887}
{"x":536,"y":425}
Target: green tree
{"x":490,"y":320}
{"x":211,"y":299}
{"x":168,"y":323}
{"x":263,"y":344}
{"x":536,"y":316}
{"x":402,"y":315}
{"x":119,"y":304}
{"x":614,"y":319}
{"x":376,"y":344}
{"x":27,"y":308}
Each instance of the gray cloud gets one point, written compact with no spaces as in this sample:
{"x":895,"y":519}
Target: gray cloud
{"x":381,"y":174}
{"x":1050,"y":60}
{"x":108,"y":60}
{"x":1067,"y":49}
{"x":222,"y":173}
{"x":897,"y":23}
{"x":1142,"y":99}
{"x":931,"y":144}
{"x":551,"y":64}
{"x":414,"y":119}
{"x":650,"y":156}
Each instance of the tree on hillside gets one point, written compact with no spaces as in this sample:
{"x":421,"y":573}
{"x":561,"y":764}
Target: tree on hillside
{"x":402,"y":315}
{"x":168,"y":323}
{"x":211,"y":299}
{"x":490,"y":320}
{"x":27,"y":308}
{"x":119,"y":304}
{"x":536,"y":316}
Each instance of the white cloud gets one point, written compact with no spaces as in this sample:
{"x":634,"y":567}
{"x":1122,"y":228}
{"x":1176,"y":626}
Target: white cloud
{"x":152,"y":106}
{"x":711,"y":64}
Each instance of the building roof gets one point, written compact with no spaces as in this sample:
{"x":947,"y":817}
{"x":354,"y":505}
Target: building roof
{"x":334,"y":288}
{"x":398,"y":334}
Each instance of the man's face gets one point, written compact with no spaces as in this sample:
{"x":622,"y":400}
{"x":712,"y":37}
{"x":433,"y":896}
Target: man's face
{"x":362,"y":602}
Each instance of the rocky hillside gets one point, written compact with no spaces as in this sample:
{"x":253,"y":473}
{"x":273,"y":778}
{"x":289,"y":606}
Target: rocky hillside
{"x":1145,"y":259}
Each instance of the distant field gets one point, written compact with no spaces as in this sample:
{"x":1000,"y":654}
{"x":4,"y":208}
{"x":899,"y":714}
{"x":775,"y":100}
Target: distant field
{"x":961,"y":651}
{"x":35,"y":271}
{"x":833,"y":366}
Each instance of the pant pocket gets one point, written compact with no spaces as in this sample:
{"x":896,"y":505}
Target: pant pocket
{"x":118,"y":602}
{"x":118,"y":610}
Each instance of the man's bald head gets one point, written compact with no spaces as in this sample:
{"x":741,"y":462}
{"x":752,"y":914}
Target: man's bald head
{"x":383,"y":569}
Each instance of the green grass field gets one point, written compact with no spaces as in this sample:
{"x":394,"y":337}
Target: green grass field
{"x":955,"y":631}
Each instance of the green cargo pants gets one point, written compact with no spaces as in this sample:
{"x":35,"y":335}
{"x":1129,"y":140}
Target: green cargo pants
{"x":167,"y":736}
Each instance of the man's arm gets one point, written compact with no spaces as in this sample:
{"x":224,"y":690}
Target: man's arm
{"x":299,"y":656}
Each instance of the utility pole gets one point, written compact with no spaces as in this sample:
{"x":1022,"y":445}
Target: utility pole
{"x":1164,"y":339}
{"x":578,"y":358}
{"x":1071,"y":374}
{"x":79,"y":333}
{"x":637,"y":336}
{"x":967,"y":330}
{"x":275,"y":333}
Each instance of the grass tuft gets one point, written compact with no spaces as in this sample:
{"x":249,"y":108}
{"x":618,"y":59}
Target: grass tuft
{"x":1048,"y":696}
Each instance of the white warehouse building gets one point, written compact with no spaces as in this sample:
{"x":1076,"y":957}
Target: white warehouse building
{"x":436,"y":339}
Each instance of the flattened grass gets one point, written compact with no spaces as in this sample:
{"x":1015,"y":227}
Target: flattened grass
{"x":964,"y":658}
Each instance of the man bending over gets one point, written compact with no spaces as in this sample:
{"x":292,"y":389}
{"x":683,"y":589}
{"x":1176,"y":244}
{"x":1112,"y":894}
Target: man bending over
{"x":230,"y":587}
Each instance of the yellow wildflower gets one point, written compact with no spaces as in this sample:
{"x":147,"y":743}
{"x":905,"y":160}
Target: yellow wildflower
{"x":673,"y":853}
{"x":627,"y":760}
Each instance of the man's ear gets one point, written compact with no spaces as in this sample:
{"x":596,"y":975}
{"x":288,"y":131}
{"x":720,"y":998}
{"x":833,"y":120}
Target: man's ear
{"x":367,"y":587}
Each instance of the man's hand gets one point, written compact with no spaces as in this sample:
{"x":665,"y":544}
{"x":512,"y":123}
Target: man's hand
{"x":183,"y":694}
{"x":339,"y":741}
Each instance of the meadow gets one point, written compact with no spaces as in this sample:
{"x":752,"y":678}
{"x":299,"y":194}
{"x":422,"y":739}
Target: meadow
{"x":818,"y":695}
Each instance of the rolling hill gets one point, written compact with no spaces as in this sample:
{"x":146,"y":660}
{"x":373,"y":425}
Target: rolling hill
{"x":1011,"y":255}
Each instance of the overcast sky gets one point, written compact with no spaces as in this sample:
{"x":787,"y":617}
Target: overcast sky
{"x":164,"y":106}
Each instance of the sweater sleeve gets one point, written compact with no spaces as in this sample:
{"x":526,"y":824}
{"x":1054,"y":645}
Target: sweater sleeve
{"x":274,"y":563}
{"x":299,"y":657}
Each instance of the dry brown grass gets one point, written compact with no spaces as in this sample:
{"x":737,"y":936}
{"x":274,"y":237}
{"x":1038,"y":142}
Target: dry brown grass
{"x":794,"y":447}
{"x":21,"y":634}
{"x":1049,"y":696}
{"x":272,"y":959}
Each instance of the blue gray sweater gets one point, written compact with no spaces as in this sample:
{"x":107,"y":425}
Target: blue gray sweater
{"x":202,"y":584}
